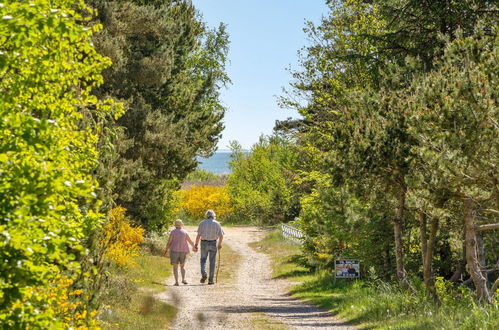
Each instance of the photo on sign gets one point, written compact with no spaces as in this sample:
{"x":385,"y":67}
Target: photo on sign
{"x":346,"y":268}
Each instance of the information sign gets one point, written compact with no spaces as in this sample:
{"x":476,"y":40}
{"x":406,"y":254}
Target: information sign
{"x":346,"y":268}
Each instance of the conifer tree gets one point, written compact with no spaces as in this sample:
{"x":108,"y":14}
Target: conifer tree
{"x":454,"y":114}
{"x":168,"y":69}
{"x":355,"y":85}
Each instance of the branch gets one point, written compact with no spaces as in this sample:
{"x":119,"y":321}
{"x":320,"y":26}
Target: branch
{"x":487,"y":227}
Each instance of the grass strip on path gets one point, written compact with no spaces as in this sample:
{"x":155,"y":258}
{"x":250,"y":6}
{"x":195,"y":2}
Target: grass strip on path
{"x":229,"y":264}
{"x":261,"y":321}
{"x":376,"y":304}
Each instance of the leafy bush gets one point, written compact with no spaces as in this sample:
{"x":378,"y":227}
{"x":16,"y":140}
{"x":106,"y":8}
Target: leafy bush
{"x":67,"y":304}
{"x":261,"y":186}
{"x":154,"y":243}
{"x":200,"y":175}
{"x":336,"y":224}
{"x":197,"y":199}
{"x":125,"y":238}
{"x":48,"y":68}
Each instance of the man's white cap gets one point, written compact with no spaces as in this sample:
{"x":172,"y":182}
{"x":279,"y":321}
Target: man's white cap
{"x":210,"y":214}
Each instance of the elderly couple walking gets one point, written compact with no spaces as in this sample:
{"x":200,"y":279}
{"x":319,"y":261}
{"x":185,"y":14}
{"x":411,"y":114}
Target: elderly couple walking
{"x":209,"y":231}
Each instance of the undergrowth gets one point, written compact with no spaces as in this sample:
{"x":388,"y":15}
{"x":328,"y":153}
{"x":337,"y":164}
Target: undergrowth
{"x":130,"y":301}
{"x":378,"y":304}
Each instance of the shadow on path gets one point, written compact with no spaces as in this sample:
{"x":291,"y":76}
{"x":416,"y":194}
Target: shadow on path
{"x":293,"y":311}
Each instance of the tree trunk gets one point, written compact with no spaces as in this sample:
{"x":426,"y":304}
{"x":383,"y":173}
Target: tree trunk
{"x":427,"y":252}
{"x":481,"y":254}
{"x":397,"y":231}
{"x":428,"y":277}
{"x":424,"y":239}
{"x":479,"y":280}
{"x":461,"y":267}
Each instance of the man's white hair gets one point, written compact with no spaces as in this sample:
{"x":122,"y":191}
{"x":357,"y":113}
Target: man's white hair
{"x":210,"y":214}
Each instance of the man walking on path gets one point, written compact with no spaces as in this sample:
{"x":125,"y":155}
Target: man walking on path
{"x":209,"y":231}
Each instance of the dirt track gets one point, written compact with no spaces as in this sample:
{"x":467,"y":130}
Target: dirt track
{"x":252,"y":295}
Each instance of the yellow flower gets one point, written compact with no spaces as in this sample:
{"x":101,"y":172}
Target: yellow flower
{"x":75,"y":292}
{"x":124,"y":239}
{"x":197,"y":199}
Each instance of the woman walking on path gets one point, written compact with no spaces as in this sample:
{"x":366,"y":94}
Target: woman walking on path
{"x":179,"y":248}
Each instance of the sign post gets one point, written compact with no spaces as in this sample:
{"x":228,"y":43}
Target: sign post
{"x":346,"y":268}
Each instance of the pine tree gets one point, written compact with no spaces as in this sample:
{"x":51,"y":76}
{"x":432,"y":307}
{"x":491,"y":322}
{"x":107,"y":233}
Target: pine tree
{"x":168,"y":69}
{"x":454,"y":115}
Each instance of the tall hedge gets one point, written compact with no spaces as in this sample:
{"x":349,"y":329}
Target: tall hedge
{"x":48,"y":66}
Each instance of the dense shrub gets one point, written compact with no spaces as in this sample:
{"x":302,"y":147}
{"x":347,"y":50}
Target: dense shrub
{"x":195,"y":200}
{"x":261,"y":186}
{"x":155,"y":243}
{"x":204,"y":178}
{"x":68,"y":304}
{"x":125,"y":239}
{"x":48,"y":68}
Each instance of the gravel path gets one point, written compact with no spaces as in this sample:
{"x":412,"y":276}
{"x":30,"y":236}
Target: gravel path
{"x":251,"y":295}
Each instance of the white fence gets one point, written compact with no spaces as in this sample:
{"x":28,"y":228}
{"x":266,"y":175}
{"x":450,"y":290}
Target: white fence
{"x":292,"y":233}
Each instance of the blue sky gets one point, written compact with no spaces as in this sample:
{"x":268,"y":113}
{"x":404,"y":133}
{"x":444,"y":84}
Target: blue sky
{"x":265,"y":36}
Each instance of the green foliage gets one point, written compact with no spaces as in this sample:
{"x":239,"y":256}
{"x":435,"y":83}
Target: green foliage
{"x":383,"y":306}
{"x":453,"y":112}
{"x":48,"y":68}
{"x":399,"y":121}
{"x":337,"y":225}
{"x":376,"y":303}
{"x":168,"y":69}
{"x":261,"y":184}
{"x":206,"y":178}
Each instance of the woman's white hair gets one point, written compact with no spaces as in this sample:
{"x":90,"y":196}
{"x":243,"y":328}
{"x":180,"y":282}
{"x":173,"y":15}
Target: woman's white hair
{"x":179,"y":223}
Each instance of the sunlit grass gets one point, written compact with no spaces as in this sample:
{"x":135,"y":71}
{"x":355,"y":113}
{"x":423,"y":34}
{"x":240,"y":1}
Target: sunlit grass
{"x":282,"y":253}
{"x":376,"y":304}
{"x":261,"y":321}
{"x":130,"y":301}
{"x":229,"y":264}
{"x":383,"y":306}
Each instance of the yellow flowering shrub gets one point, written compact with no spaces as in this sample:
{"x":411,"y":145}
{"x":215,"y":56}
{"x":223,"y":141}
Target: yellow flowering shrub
{"x":197,"y":199}
{"x":63,"y":304}
{"x":123,"y":238}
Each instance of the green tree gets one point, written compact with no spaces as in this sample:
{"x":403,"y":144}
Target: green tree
{"x":48,"y":68}
{"x":454,"y":116}
{"x":168,"y":69}
{"x":261,"y":184}
{"x":353,"y":93}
